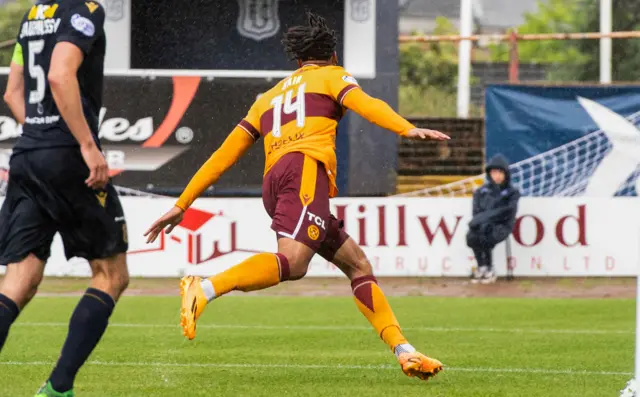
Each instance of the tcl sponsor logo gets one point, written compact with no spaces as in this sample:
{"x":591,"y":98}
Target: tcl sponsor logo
{"x":313,"y":218}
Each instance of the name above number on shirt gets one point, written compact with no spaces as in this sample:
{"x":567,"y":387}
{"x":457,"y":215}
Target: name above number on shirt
{"x":290,"y":107}
{"x":39,"y":28}
{"x":40,"y":21}
{"x":291,"y":81}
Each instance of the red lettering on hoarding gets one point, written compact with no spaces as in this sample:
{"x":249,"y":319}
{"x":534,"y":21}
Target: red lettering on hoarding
{"x":610,"y":263}
{"x":190,"y":249}
{"x":399,"y":263}
{"x":565,"y":265}
{"x":442,"y":225}
{"x":446,"y":266}
{"x":362,"y":228}
{"x":423,"y":263}
{"x":586,"y":262}
{"x":402,"y":217}
{"x":539,"y":230}
{"x":382,"y":227}
{"x":581,"y":221}
{"x":341,"y":213}
{"x":195,"y":247}
{"x":536,"y":263}
{"x":376,"y":263}
{"x":362,"y":237}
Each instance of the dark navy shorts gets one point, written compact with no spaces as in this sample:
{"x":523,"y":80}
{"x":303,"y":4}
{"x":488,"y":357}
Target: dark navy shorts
{"x":47,"y":195}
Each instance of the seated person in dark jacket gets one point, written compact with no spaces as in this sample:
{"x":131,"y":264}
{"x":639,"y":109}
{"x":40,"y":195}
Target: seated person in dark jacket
{"x":494,"y":213}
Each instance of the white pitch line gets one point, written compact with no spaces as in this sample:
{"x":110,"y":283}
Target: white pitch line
{"x":353,"y":328}
{"x":321,"y":366}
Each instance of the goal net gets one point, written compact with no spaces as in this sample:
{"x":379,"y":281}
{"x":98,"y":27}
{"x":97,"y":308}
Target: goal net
{"x":566,"y":170}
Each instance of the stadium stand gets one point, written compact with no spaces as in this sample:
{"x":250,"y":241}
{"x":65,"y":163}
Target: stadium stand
{"x":423,"y":164}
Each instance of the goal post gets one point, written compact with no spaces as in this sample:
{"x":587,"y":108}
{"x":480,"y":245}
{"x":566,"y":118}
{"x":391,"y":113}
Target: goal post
{"x":637,"y":361}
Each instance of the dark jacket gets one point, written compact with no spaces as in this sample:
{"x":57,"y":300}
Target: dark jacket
{"x":495,"y":206}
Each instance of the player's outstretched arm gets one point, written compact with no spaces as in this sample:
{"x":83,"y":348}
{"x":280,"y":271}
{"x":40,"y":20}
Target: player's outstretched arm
{"x":234,"y":147}
{"x":65,"y":88}
{"x":381,"y":114}
{"x":14,"y":94}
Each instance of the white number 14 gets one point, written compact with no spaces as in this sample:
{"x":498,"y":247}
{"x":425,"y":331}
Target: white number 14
{"x":297,"y":107}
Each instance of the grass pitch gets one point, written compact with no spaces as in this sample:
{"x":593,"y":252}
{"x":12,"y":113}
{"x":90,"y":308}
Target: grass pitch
{"x":322,"y":346}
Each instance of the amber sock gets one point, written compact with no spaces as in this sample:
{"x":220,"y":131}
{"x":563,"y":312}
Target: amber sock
{"x":258,"y":272}
{"x":374,"y":306}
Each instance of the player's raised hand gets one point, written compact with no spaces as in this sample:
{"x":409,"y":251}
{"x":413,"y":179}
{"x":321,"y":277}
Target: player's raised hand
{"x":423,"y":133}
{"x":169,"y":221}
{"x":98,"y":168}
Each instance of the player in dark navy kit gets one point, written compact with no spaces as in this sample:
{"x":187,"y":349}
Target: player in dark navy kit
{"x":58,"y":178}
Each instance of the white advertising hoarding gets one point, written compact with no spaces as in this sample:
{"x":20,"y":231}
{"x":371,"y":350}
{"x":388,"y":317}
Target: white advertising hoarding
{"x":401,"y":236}
{"x":117,"y":27}
{"x":360,"y":38}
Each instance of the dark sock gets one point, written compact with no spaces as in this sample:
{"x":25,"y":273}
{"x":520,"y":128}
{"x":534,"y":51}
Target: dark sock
{"x":479,"y":256}
{"x":8,"y":313}
{"x":87,"y":324}
{"x":488,"y":259}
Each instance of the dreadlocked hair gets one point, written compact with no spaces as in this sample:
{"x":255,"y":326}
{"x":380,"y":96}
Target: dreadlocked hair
{"x":312,"y":42}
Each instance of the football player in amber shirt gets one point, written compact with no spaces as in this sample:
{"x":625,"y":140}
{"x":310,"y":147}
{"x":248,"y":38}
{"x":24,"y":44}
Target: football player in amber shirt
{"x":297,"y":120}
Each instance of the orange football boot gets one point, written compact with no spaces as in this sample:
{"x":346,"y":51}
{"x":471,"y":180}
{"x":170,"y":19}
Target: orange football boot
{"x":419,"y":365}
{"x":193,"y":303}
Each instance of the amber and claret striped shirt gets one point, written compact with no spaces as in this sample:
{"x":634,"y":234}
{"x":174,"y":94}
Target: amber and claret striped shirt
{"x":300,"y":114}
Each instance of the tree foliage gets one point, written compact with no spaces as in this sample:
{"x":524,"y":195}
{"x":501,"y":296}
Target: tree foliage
{"x":428,"y":73}
{"x":424,"y":65}
{"x":626,"y":52}
{"x":554,"y":16}
{"x":579,"y":58}
{"x":10,"y":16}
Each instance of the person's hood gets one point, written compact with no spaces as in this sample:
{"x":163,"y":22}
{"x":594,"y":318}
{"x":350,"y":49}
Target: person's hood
{"x":499,"y":162}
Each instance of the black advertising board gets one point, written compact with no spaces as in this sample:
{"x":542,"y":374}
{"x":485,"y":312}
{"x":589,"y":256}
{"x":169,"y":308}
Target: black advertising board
{"x":158,"y":131}
{"x":213,"y":34}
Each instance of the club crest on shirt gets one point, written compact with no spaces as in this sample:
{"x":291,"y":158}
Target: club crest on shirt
{"x":360,"y":10}
{"x":313,"y":232}
{"x":258,"y":19}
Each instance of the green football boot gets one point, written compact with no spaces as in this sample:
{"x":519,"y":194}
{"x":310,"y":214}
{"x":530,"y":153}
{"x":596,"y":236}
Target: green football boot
{"x":47,"y":391}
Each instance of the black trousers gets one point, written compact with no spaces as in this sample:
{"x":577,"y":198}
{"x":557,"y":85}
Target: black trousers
{"x":483,"y":239}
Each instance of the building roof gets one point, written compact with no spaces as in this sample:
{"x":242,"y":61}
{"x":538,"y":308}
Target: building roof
{"x":430,"y":8}
{"x":494,"y":13}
